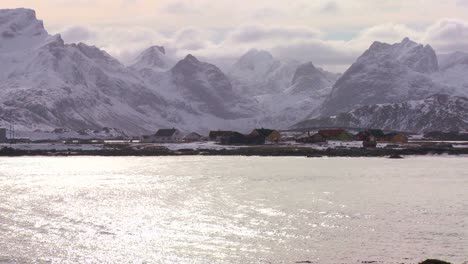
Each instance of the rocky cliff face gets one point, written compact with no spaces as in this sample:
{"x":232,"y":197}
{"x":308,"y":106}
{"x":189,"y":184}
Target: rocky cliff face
{"x":436,"y":113}
{"x":386,"y":74}
{"x":51,"y":84}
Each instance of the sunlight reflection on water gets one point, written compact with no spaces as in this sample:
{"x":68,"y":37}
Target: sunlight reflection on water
{"x":232,"y":209}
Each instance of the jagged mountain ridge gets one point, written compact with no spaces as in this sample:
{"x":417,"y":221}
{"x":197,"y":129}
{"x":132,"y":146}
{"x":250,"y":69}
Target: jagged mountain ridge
{"x":285,"y":92}
{"x":436,"y":113}
{"x":47,"y":84}
{"x":386,"y":74}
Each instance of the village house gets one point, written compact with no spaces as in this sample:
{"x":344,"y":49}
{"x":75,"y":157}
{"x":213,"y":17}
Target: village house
{"x":237,"y":138}
{"x":164,"y":136}
{"x":193,"y":137}
{"x":308,"y":138}
{"x":270,"y":135}
{"x":396,"y":138}
{"x":336,"y":134}
{"x":371,"y":135}
{"x":219,"y":135}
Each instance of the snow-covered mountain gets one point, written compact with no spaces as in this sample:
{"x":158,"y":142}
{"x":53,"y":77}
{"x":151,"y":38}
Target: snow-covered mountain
{"x":435,"y":113}
{"x":47,"y":84}
{"x":311,"y":79}
{"x":307,"y":90}
{"x":258,"y":73}
{"x":454,"y":72}
{"x":153,"y":58}
{"x":205,"y":87}
{"x":285,"y":92}
{"x":386,"y":74}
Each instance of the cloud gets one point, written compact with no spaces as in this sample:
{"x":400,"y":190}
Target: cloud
{"x":77,"y":34}
{"x":448,"y":35}
{"x":462,"y":3}
{"x":178,"y":7}
{"x":267,"y":12}
{"x":330,"y":7}
{"x":285,"y":42}
{"x":389,"y":33}
{"x":257,"y":33}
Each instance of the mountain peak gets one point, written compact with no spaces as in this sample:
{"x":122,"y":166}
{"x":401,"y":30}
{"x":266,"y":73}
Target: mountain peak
{"x":20,"y":22}
{"x":407,"y":41}
{"x":153,"y":57}
{"x":159,"y":49}
{"x":255,"y":54}
{"x":256,"y":62}
{"x":416,"y":56}
{"x":308,"y":78}
{"x":190,"y":58}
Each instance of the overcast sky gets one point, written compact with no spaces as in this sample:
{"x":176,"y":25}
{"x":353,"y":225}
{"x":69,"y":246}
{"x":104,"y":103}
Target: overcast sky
{"x":330,"y":33}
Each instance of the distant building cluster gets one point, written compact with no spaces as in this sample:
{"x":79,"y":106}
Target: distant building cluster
{"x":260,"y":136}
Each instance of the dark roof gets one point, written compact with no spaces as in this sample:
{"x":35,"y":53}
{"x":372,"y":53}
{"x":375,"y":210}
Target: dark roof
{"x":166,"y":132}
{"x":263,"y":131}
{"x":220,"y":133}
{"x":378,"y":133}
{"x":392,"y":134}
{"x":194,"y":134}
{"x":332,"y":132}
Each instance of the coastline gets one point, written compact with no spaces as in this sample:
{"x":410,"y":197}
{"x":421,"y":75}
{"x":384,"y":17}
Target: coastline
{"x":263,"y":151}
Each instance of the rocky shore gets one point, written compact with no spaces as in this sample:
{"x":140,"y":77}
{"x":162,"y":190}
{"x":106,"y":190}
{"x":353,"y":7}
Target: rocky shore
{"x":244,"y":151}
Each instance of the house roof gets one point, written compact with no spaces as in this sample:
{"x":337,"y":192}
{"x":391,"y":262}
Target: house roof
{"x":193,"y":134}
{"x":392,"y":134}
{"x":220,"y":133}
{"x":332,"y":132}
{"x":166,"y":132}
{"x":263,"y":131}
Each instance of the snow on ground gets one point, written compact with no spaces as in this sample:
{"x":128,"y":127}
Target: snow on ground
{"x":197,"y":145}
{"x":53,"y":146}
{"x":210,"y":145}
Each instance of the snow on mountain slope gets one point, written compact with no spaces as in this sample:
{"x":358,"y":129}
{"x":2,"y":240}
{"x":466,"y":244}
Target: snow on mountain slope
{"x":19,"y":30}
{"x":74,"y":86}
{"x":308,"y":88}
{"x":453,"y":59}
{"x":308,"y":78}
{"x":154,"y":58}
{"x":258,"y":73}
{"x":202,"y":96}
{"x":454,"y":72}
{"x":386,"y":74}
{"x":436,"y":113}
{"x":206,"y":85}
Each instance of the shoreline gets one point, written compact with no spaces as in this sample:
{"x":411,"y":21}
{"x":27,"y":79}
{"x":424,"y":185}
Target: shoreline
{"x":262,"y":151}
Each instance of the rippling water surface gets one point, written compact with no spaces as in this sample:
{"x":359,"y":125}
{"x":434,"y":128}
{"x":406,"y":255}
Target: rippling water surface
{"x":232,"y":210}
